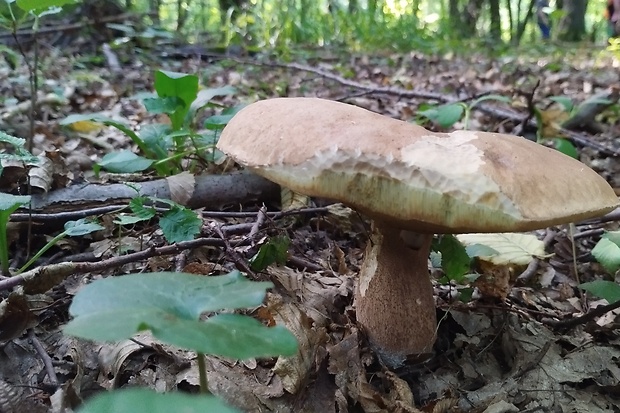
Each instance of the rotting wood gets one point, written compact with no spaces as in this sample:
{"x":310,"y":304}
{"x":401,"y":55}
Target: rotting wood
{"x":210,"y":191}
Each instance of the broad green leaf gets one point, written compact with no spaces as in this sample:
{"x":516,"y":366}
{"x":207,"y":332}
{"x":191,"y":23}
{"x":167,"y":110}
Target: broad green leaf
{"x":9,"y":203}
{"x":274,"y":250}
{"x":613,"y":236}
{"x":163,"y":105}
{"x":157,"y":139}
{"x":81,"y":227}
{"x":566,"y":147}
{"x":454,"y":259}
{"x":177,"y":85}
{"x":445,"y":115}
{"x":217,"y":122}
{"x":205,"y":96}
{"x":124,"y":162}
{"x":512,"y":248}
{"x":607,"y":290}
{"x":607,"y":252}
{"x":180,"y":224}
{"x":148,"y":401}
{"x":170,"y":304}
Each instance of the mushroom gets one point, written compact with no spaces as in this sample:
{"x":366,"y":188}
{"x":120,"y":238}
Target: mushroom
{"x":405,"y":177}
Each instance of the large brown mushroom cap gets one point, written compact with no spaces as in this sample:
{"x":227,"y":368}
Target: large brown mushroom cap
{"x":401,"y":173}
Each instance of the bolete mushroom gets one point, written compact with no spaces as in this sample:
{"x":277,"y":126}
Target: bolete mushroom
{"x":405,"y":177}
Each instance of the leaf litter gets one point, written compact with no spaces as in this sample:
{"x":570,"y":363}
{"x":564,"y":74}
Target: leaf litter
{"x":496,"y":353}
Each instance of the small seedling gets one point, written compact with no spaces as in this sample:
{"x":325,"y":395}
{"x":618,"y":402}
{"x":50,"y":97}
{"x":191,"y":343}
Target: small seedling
{"x":448,"y":114}
{"x":72,"y":229}
{"x":8,"y":204}
{"x":178,"y":223}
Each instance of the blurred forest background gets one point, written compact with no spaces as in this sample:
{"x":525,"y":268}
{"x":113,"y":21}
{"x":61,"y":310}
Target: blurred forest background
{"x":398,"y":25}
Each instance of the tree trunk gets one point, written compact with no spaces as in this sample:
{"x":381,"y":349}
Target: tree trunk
{"x":573,"y":26}
{"x":463,"y":19}
{"x":181,"y":14}
{"x":511,"y":26}
{"x":154,"y":7}
{"x":496,"y":23}
{"x":523,"y":24}
{"x":353,"y":6}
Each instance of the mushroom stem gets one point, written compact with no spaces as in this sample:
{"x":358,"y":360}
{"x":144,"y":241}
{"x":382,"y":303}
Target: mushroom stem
{"x":394,"y":299}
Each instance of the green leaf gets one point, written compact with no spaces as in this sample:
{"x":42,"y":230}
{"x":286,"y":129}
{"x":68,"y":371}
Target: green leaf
{"x":565,"y":146}
{"x":148,"y":401}
{"x":177,"y":85}
{"x":124,"y":162}
{"x":9,"y":203}
{"x":479,"y":250}
{"x":140,"y":212}
{"x":613,"y":236}
{"x":498,"y":98}
{"x":445,"y":115}
{"x":564,"y":101}
{"x":157,"y":139}
{"x":205,"y":95}
{"x":40,"y":5}
{"x":163,"y":105}
{"x":170,"y":304}
{"x":19,"y":149}
{"x":274,"y":250}
{"x":607,"y":252}
{"x":607,"y":290}
{"x":217,"y":122}
{"x":81,"y":227}
{"x":180,"y":224}
{"x":454,"y":259}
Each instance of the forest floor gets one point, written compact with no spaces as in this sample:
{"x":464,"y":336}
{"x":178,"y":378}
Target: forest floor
{"x":506,"y":354}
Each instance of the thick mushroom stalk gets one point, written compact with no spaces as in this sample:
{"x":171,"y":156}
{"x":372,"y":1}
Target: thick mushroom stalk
{"x":394,"y":301}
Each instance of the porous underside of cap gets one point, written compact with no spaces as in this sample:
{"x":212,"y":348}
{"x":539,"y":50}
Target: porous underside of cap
{"x":401,"y":173}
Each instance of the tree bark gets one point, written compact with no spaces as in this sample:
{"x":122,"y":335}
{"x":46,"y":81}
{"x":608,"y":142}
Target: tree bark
{"x":573,"y":26}
{"x":496,"y":23}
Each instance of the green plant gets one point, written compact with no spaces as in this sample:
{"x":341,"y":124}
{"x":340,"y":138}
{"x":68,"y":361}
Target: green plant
{"x":614,"y":47}
{"x":170,"y":305}
{"x":448,"y":114}
{"x":72,"y":229}
{"x":10,"y":203}
{"x":607,"y":253}
{"x":177,"y":223}
{"x":164,"y":147}
{"x":607,"y":290}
